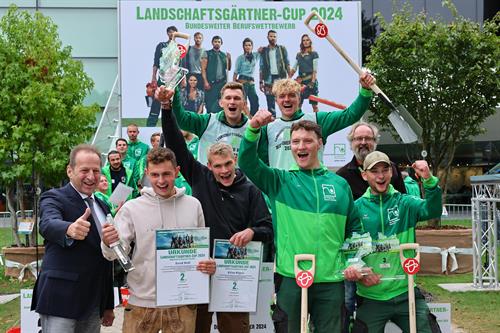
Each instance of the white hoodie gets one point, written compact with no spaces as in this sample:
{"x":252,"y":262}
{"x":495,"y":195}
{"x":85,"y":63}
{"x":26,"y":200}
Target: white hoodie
{"x":137,"y":222}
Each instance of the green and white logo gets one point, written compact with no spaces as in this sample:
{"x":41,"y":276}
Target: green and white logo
{"x":329,"y":192}
{"x":393,"y":215}
{"x":339,"y":148}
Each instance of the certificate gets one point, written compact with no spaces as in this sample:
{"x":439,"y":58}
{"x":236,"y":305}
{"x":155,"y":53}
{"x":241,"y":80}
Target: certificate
{"x":235,"y":282}
{"x":178,"y":251}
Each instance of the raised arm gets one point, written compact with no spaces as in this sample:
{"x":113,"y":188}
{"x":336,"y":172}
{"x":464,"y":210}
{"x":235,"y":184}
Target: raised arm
{"x":266,"y":178}
{"x":188,"y":121}
{"x":175,"y":141}
{"x":332,"y":122}
{"x":432,"y":206}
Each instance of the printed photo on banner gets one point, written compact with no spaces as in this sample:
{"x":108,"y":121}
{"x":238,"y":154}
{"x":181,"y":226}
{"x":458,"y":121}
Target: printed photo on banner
{"x":254,"y":43}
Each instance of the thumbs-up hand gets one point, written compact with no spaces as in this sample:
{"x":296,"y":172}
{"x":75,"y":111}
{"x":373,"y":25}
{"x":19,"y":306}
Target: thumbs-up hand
{"x":80,"y":228}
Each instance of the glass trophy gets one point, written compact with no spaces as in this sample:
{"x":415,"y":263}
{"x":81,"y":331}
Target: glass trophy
{"x":171,"y":73}
{"x":123,"y":258}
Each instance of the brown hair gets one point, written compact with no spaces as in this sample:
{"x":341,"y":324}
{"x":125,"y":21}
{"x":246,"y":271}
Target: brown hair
{"x":302,"y":47}
{"x":155,"y":134}
{"x":307,"y":125}
{"x":233,"y":85}
{"x":121,"y":139}
{"x":79,"y":148}
{"x":160,"y":155}
{"x":221,"y":149}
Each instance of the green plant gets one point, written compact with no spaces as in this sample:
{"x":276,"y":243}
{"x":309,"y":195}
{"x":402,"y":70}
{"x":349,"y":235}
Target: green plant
{"x":446,"y":74}
{"x":41,"y":113}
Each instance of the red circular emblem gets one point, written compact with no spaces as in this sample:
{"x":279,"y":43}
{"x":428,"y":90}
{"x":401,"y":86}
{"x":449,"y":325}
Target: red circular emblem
{"x":411,"y":266}
{"x":304,"y":279}
{"x":321,"y":30}
{"x":182,"y":48}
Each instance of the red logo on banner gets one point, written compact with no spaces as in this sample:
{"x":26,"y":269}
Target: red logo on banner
{"x":304,"y":279}
{"x":321,"y":30}
{"x":411,"y":266}
{"x":182,"y":48}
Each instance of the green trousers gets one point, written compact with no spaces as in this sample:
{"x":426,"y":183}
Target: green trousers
{"x":372,"y":315}
{"x":325,"y":305}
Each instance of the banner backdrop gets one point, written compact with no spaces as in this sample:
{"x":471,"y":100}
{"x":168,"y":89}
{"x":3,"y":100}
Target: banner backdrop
{"x":143,"y":25}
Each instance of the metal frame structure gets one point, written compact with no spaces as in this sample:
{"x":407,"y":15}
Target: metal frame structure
{"x":109,"y":128}
{"x":485,"y":219}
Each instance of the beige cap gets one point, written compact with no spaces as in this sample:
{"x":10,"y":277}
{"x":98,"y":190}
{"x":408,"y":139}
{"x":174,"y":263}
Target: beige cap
{"x":375,"y":157}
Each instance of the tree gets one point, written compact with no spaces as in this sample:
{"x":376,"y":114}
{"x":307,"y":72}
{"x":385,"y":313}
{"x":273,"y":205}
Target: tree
{"x":41,"y":111}
{"x":446,"y":74}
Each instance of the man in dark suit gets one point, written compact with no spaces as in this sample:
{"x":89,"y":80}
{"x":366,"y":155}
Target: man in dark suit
{"x":74,"y":293}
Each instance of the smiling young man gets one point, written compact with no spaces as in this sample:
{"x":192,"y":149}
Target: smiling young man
{"x":165,"y":207}
{"x":233,"y":207}
{"x":363,"y":138}
{"x":116,"y":173}
{"x":228,"y":125}
{"x":313,"y":212}
{"x":385,"y":211}
{"x":274,"y":145}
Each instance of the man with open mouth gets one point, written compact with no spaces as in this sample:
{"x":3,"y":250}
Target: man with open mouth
{"x":233,"y":207}
{"x":274,"y":145}
{"x":313,"y":213}
{"x":390,"y":217}
{"x":227,"y":125}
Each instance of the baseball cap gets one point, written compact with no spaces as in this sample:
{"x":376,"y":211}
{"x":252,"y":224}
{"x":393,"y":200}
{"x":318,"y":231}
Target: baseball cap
{"x":373,"y":158}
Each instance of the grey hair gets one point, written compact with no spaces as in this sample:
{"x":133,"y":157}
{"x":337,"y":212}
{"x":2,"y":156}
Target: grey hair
{"x":374,"y":129}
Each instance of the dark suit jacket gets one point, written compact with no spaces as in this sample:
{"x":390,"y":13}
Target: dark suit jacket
{"x":75,"y":279}
{"x":352,"y":174}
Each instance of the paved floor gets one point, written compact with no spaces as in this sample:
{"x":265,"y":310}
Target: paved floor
{"x":117,"y":325}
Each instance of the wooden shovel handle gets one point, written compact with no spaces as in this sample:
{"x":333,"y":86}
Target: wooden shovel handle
{"x":409,"y":246}
{"x":326,"y":102}
{"x":341,"y":51}
{"x":304,"y":257}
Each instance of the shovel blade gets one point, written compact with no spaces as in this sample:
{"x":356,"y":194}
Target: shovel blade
{"x":406,"y":126}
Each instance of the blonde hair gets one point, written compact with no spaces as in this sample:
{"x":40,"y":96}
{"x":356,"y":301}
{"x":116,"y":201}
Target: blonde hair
{"x":221,"y":149}
{"x":285,"y":86}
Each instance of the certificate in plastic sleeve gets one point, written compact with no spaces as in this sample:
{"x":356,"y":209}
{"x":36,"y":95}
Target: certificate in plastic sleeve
{"x":235,"y":282}
{"x":178,"y":251}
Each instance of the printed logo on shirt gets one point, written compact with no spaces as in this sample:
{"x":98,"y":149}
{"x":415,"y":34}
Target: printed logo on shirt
{"x":282,"y":139}
{"x":138,"y":152}
{"x":123,"y":180}
{"x":329,"y":192}
{"x":393,"y":215}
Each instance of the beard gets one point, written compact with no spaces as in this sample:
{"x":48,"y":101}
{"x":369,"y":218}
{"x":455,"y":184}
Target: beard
{"x":361,"y":152}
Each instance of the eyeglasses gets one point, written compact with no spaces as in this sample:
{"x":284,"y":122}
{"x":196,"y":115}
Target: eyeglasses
{"x":364,"y":138}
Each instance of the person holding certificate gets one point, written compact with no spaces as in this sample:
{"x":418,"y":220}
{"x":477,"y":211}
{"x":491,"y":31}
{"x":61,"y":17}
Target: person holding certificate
{"x":162,"y":206}
{"x":234,"y":208}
